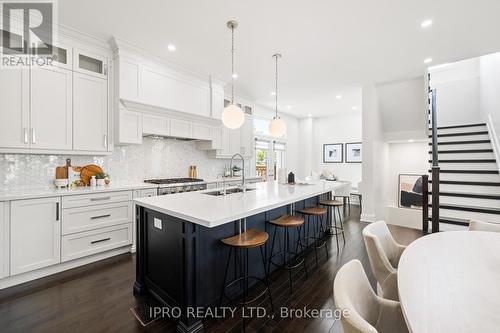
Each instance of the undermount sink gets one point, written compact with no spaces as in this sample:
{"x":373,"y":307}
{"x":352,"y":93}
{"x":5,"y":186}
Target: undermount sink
{"x":228,"y":191}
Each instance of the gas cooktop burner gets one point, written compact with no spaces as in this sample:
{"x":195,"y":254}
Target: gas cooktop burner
{"x":173,"y":180}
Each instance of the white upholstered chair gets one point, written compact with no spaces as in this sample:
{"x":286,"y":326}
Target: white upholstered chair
{"x":384,"y":254}
{"x":362,"y":310}
{"x":483,"y":226}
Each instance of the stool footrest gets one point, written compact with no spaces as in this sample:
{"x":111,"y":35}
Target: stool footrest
{"x":249,"y":301}
{"x":299,"y":259}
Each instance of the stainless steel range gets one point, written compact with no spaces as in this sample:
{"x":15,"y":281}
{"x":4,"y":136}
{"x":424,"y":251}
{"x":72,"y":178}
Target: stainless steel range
{"x":178,"y":185}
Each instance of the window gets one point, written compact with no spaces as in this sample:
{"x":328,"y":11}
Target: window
{"x":279,"y":150}
{"x":261,"y":158}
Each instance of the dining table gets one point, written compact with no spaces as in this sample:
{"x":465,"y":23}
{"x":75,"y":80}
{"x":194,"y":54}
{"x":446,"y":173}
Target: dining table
{"x":450,"y":282}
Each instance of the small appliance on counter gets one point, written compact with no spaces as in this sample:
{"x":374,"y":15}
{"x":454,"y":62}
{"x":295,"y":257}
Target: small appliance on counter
{"x":291,"y":178}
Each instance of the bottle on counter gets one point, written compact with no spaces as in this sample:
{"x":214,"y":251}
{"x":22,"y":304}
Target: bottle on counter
{"x":93,"y":181}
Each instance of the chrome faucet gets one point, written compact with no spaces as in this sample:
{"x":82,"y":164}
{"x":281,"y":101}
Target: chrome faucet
{"x":243,"y":188}
{"x":223,"y":183}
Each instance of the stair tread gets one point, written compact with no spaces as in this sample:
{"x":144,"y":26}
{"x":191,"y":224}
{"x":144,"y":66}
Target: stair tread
{"x":466,"y":182}
{"x":469,"y":195}
{"x":460,"y":126}
{"x":461,"y":142}
{"x":463,"y":151}
{"x":479,"y":160}
{"x":460,"y":134}
{"x":489,"y":172}
{"x":490,"y":210}
{"x":452,"y":220}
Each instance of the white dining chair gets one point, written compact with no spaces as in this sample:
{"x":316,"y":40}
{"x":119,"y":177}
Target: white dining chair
{"x":384,"y":253}
{"x":344,"y":192}
{"x":484,"y":226}
{"x":361,"y":309}
{"x":357,"y":192}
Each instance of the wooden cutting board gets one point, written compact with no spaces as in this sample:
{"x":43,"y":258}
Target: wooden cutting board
{"x":62,"y":172}
{"x":88,"y":171}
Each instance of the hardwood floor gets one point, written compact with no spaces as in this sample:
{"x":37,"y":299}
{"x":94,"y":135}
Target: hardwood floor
{"x":98,"y":297}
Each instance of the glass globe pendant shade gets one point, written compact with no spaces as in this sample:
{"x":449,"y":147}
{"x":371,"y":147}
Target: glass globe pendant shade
{"x":233,"y":117}
{"x":277,"y":127}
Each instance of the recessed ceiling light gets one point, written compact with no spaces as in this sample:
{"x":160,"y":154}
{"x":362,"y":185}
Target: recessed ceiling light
{"x":235,"y":75}
{"x":309,"y":115}
{"x":288,"y":107}
{"x":426,"y":24}
{"x":171,"y":47}
{"x":354,"y":107}
{"x":427,"y":60}
{"x":273,"y":93}
{"x":411,"y":141}
{"x":338,"y":96}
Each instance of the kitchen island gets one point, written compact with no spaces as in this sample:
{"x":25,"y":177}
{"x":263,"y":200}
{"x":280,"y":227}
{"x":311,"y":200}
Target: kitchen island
{"x":180,"y":259}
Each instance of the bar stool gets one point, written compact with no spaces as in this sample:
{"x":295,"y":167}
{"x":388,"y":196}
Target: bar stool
{"x":315,"y":215}
{"x":245,"y":240}
{"x":290,"y":259}
{"x":334,"y":206}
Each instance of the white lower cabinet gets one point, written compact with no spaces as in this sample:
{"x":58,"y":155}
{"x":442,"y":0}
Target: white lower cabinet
{"x":92,"y":242}
{"x":35,"y":234}
{"x":4,"y":240}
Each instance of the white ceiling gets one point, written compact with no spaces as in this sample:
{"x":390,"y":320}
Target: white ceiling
{"x":329,"y":47}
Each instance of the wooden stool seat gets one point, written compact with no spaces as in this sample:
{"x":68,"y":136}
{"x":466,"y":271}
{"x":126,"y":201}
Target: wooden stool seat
{"x":334,"y":203}
{"x":248,"y":239}
{"x":288,"y":221}
{"x":313,"y":211}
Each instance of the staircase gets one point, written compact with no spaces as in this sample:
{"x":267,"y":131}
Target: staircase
{"x":469,"y":180}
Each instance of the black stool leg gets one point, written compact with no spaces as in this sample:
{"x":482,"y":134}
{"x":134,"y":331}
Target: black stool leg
{"x":302,"y":254}
{"x":225,"y":277}
{"x":271,"y":251}
{"x":335,"y":227}
{"x":323,"y":234}
{"x":315,"y":247}
{"x":288,"y":263}
{"x":267,"y":279}
{"x":341,"y":227}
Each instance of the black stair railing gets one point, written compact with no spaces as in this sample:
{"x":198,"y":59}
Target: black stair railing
{"x":435,"y":171}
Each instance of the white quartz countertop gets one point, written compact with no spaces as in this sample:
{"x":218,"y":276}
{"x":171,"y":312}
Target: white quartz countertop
{"x":31,"y":193}
{"x":211,"y":211}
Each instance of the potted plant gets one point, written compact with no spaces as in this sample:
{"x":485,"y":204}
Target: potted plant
{"x":236,"y":171}
{"x":101,"y":178}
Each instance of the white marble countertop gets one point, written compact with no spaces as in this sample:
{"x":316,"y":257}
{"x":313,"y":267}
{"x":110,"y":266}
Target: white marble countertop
{"x":31,"y":193}
{"x":211,"y":211}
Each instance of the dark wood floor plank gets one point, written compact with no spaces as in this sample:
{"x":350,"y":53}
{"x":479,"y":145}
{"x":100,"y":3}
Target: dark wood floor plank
{"x":98,"y":297}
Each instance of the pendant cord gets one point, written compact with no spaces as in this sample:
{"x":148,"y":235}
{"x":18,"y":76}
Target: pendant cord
{"x":232,"y":64}
{"x":276,"y":87}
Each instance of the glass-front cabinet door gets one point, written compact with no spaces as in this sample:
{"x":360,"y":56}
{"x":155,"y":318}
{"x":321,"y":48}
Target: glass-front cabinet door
{"x":91,"y":64}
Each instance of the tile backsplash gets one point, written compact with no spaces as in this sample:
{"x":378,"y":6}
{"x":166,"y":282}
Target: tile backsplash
{"x":155,"y":158}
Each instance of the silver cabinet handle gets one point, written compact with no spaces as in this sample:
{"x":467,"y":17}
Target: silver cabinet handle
{"x":100,"y":240}
{"x":25,"y":135}
{"x":105,"y":141}
{"x":100,"y":216}
{"x":100,"y":199}
{"x":33,"y":136}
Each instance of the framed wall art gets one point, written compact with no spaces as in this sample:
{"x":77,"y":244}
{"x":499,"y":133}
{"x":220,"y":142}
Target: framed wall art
{"x":332,"y":153}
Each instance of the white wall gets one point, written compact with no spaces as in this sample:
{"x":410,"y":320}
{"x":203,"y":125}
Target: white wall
{"x":405,"y":158}
{"x":403,"y":107}
{"x":458,"y":92}
{"x":305,"y":139}
{"x":342,"y":128}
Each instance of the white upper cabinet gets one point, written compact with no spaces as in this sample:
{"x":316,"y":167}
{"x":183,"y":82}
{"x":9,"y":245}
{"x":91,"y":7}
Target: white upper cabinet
{"x":247,"y":137}
{"x":155,"y":125}
{"x":90,"y":113}
{"x":217,"y":101}
{"x":90,"y":63}
{"x":51,"y":108}
{"x":62,"y":56}
{"x":128,"y":127}
{"x":35,"y":234}
{"x":201,"y":132}
{"x":14,"y":108}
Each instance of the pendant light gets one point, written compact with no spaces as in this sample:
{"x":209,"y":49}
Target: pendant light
{"x":232,"y":115}
{"x":277,"y":127}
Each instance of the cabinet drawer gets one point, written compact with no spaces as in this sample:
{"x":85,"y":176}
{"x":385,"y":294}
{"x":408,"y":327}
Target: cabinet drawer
{"x":91,"y":242}
{"x":95,"y":199}
{"x":94,"y":217}
{"x":152,"y":192}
